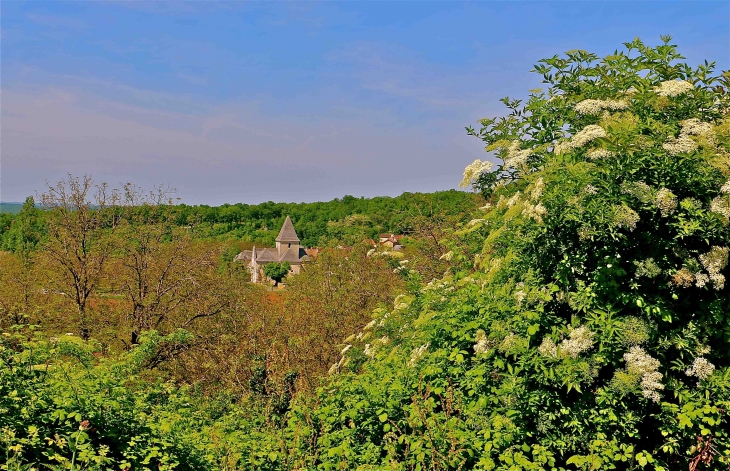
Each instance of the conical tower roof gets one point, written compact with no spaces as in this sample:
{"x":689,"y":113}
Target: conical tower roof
{"x":287,"y":232}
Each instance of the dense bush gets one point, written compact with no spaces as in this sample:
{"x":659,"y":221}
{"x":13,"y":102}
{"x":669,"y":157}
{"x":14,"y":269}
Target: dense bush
{"x":593,"y":328}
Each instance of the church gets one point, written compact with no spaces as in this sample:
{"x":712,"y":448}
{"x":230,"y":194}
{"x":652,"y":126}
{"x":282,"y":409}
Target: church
{"x":287,"y":250}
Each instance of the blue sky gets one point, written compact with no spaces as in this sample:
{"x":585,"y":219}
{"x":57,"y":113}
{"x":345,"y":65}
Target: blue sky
{"x":251,"y":102}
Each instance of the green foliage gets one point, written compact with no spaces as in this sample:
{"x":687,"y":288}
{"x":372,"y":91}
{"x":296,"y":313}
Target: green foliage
{"x":346,"y":220}
{"x":277,"y":271}
{"x":24,"y":230}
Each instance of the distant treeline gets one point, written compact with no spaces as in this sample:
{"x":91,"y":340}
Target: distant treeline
{"x":343,"y":220}
{"x":12,"y":208}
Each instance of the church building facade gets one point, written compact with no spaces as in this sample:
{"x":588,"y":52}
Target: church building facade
{"x":287,"y":250}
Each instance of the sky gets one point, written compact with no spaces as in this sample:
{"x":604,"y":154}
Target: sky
{"x":306,"y":101}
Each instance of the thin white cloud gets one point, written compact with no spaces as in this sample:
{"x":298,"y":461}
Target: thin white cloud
{"x":224,"y":154}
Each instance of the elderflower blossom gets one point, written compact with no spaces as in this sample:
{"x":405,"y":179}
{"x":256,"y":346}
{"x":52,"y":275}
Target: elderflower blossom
{"x":579,"y":340}
{"x":534,"y":211}
{"x":482,"y":344}
{"x":701,"y":280}
{"x":581,"y":138}
{"x":510,"y":342}
{"x":417,"y":354}
{"x":679,"y":145}
{"x":369,"y":350}
{"x":590,"y":189}
{"x":683,"y":278}
{"x":537,"y":189}
{"x":346,"y":349}
{"x":666,"y":201}
{"x":673,"y":88}
{"x":473,"y":171}
{"x":701,"y":369}
{"x":721,"y":205}
{"x":594,"y":107}
{"x":695,"y":127}
{"x":714,"y":261}
{"x":647,"y":268}
{"x":625,"y":217}
{"x":548,"y":348}
{"x":516,"y":157}
{"x":639,"y":190}
{"x":639,"y":363}
{"x":599,"y":154}
{"x":514,"y":199}
{"x":725,"y":188}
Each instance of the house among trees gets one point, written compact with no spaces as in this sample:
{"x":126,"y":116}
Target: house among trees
{"x":391,"y":240}
{"x":287,"y":250}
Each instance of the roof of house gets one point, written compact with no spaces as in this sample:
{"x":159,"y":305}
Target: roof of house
{"x":287,"y":232}
{"x":244,"y":256}
{"x":293,"y":256}
{"x":267,"y":255}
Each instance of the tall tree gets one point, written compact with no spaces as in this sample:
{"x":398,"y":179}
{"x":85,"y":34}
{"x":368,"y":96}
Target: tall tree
{"x":277,"y":271}
{"x":168,"y":279}
{"x":81,"y":217}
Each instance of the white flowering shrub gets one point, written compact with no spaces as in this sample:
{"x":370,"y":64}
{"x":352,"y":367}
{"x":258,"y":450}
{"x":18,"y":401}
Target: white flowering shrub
{"x":590,"y":329}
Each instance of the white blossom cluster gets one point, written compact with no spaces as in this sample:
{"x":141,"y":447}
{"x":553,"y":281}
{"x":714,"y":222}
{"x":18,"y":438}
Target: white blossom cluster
{"x":625,"y":217}
{"x":639,"y":190}
{"x":514,"y":199}
{"x":579,"y":340}
{"x":509,"y":342}
{"x":673,"y":88}
{"x":538,"y":189}
{"x":482,"y":344}
{"x":417,"y":354}
{"x":695,"y":127}
{"x":474,"y":170}
{"x":596,"y":154}
{"x":594,"y":107}
{"x":516,"y":157}
{"x":721,"y":205}
{"x":534,"y":211}
{"x":683,"y":278}
{"x":666,"y":201}
{"x":639,"y":363}
{"x":590,"y":189}
{"x":701,"y":280}
{"x":520,"y":297}
{"x":548,"y":348}
{"x":680,"y":145}
{"x":700,"y":369}
{"x":725,"y":188}
{"x":581,"y":138}
{"x":647,"y":268}
{"x":714,"y":261}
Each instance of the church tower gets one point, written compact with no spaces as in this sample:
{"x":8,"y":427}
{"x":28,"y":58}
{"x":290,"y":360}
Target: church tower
{"x":287,"y":239}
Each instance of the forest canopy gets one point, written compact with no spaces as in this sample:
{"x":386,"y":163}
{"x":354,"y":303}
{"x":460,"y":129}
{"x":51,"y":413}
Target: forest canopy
{"x":344,"y":220}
